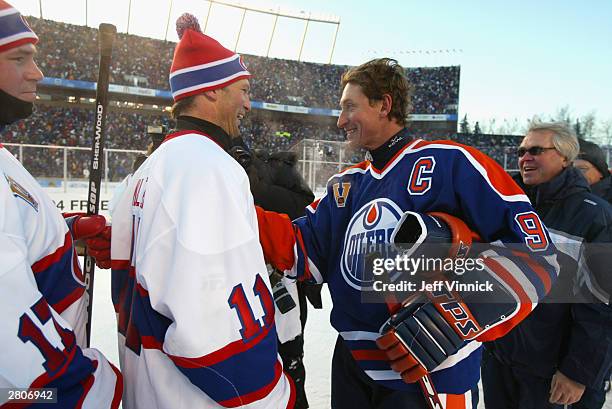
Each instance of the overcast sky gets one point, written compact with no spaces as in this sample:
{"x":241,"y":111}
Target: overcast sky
{"x":517,"y":59}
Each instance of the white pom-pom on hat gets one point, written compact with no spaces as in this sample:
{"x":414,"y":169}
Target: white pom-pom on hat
{"x":187,"y":21}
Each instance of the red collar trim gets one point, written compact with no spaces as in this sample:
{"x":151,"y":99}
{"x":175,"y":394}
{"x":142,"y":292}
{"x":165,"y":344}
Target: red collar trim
{"x":187,"y":132}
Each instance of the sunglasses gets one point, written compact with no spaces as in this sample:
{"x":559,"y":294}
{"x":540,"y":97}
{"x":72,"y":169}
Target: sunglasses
{"x":533,"y":151}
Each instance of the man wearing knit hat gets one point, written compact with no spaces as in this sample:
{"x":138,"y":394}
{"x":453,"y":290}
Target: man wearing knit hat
{"x":42,"y":293}
{"x":591,"y":161}
{"x":190,"y":286}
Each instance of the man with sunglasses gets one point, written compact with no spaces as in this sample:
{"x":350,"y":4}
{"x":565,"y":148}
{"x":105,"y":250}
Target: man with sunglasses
{"x":561,"y":352}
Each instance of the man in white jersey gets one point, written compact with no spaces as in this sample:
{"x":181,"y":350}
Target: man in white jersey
{"x":42,"y":304}
{"x":190,"y":286}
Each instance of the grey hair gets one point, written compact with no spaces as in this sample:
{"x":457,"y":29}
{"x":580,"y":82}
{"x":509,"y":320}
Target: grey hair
{"x":564,"y":138}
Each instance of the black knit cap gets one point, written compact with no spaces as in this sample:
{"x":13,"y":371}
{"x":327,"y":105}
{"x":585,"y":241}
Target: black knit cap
{"x":591,"y":152}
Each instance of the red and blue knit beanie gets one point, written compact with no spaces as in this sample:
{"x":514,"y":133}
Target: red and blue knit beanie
{"x":14,"y":29}
{"x":200,"y":63}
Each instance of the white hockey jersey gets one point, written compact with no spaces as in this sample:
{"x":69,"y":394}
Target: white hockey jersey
{"x":190,"y":287}
{"x":42,"y":300}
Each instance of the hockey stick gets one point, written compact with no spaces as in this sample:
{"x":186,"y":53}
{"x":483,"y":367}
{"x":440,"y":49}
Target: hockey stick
{"x":430,"y":395}
{"x":106,"y":38}
{"x":426,"y":383}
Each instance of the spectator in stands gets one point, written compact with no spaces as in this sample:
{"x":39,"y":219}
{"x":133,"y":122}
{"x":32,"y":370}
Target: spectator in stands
{"x":561,"y":349}
{"x":144,"y":62}
{"x":592,"y":163}
{"x":140,"y":61}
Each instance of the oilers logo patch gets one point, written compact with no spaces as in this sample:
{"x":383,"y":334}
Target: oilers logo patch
{"x":341,"y":194}
{"x":20,"y":192}
{"x":368,"y":229}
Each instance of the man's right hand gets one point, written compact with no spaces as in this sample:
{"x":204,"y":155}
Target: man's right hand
{"x":565,"y":391}
{"x":92,"y":229}
{"x":417,"y":339}
{"x":421,"y":334}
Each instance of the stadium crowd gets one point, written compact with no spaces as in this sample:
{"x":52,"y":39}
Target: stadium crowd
{"x":54,"y":125}
{"x":72,"y":126}
{"x":502,"y":148}
{"x":145,"y":62}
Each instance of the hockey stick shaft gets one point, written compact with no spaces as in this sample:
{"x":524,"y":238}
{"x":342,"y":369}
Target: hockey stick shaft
{"x":106,"y":38}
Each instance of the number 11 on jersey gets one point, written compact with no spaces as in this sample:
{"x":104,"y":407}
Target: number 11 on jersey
{"x":251,"y":327}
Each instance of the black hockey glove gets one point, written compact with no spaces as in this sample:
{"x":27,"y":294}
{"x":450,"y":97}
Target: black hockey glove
{"x":428,"y":328}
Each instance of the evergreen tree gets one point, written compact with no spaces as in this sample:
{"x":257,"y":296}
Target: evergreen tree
{"x":464,"y":126}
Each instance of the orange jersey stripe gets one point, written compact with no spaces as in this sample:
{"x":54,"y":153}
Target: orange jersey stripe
{"x":496,"y":175}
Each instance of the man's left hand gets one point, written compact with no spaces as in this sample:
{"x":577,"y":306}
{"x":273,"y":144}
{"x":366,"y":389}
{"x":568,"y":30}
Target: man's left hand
{"x":564,"y":391}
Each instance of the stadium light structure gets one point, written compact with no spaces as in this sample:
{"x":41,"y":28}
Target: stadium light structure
{"x":168,"y":21}
{"x":278,"y":13}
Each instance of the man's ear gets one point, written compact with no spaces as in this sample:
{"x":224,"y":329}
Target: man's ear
{"x":387,"y":104}
{"x":211,"y":95}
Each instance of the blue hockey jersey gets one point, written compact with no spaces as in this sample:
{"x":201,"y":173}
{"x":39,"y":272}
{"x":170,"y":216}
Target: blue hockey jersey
{"x":363,"y":204}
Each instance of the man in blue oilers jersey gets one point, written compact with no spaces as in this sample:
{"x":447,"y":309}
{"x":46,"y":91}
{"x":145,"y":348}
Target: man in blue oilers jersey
{"x":397,"y":362}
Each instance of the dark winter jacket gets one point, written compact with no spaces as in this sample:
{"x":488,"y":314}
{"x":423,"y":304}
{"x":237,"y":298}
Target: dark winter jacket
{"x":576,"y":337}
{"x":277,"y":185}
{"x":603,"y":188}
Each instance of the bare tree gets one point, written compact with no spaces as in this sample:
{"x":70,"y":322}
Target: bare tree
{"x":510,"y":127}
{"x":605,"y":132}
{"x":489,"y":126}
{"x":563,"y":114}
{"x":588,"y":123}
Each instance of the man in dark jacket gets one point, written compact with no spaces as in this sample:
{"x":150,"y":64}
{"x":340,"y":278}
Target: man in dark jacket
{"x":277,"y":185}
{"x":565,"y":346}
{"x":592,"y":163}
